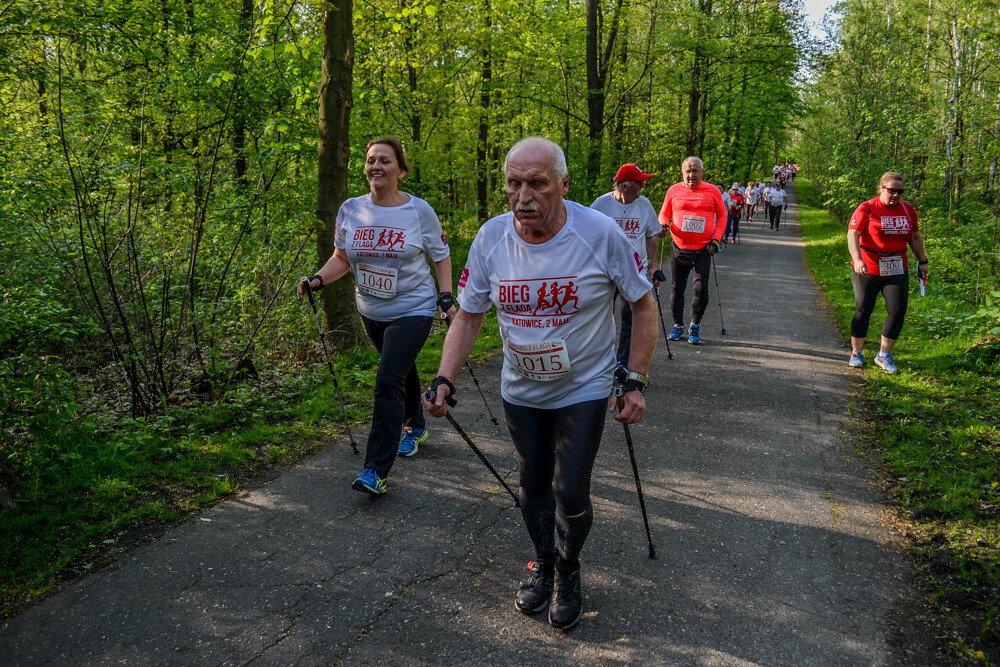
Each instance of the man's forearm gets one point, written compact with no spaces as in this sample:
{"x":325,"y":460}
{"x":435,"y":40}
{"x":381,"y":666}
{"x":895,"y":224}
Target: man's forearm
{"x":643,"y":334}
{"x":458,"y":343}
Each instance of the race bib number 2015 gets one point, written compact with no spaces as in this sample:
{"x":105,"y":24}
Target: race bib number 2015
{"x":379,"y":281}
{"x":890,"y":266}
{"x":544,"y":362}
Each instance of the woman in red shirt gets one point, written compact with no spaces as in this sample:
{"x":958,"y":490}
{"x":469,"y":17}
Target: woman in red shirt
{"x":877,"y":236}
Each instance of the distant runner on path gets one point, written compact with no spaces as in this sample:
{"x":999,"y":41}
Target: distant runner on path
{"x":637,"y":218}
{"x":777,"y":200}
{"x":557,"y":369}
{"x":733,"y":213}
{"x":877,"y":236}
{"x":695,"y":216}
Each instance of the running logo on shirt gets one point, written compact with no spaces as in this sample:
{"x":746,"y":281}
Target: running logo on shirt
{"x":464,"y":279}
{"x":379,"y":241}
{"x":540,"y":303}
{"x":638,"y":261}
{"x":631,"y":226}
{"x":443,"y":239}
{"x":895,"y":224}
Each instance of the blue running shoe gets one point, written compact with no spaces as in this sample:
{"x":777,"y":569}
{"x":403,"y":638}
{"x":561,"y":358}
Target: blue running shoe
{"x":676,"y":333}
{"x":693,"y":336}
{"x":369,"y":481}
{"x":857,"y":359}
{"x":411,"y":440}
{"x":885,"y":361}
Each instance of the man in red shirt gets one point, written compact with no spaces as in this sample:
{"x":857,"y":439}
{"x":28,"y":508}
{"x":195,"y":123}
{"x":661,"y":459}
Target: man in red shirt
{"x":736,"y":202}
{"x":694,"y":215}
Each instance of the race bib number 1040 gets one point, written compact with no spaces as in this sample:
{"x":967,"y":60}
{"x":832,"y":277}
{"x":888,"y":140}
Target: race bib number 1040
{"x":544,"y":361}
{"x":379,"y":281}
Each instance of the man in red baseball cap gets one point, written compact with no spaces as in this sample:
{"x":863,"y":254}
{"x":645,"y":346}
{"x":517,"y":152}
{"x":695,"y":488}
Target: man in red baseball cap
{"x":637,"y":218}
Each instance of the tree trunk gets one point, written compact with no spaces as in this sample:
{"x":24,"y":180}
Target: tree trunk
{"x":482,"y":144}
{"x":598,"y":69}
{"x":335,"y":103}
{"x":595,"y":97}
{"x":241,"y":107}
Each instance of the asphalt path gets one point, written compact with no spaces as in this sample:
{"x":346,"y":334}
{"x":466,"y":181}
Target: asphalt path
{"x":771,"y":542}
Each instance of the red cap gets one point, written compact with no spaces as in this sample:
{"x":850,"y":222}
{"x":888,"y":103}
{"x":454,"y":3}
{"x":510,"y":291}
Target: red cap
{"x":630,"y":172}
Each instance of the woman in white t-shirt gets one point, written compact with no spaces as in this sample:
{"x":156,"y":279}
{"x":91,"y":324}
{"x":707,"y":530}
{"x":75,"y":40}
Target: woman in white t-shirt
{"x":385,"y":239}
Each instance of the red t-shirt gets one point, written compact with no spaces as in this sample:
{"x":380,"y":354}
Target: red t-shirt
{"x":693,"y":215}
{"x":736,"y":207}
{"x":885,"y":233}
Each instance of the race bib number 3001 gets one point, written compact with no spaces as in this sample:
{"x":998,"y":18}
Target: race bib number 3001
{"x":890,"y":266}
{"x":544,"y":362}
{"x":379,"y":281}
{"x":693,"y":223}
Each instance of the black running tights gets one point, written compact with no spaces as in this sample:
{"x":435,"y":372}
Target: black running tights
{"x":397,"y":386}
{"x":895,"y":291}
{"x":681,"y":263}
{"x":556,"y":450}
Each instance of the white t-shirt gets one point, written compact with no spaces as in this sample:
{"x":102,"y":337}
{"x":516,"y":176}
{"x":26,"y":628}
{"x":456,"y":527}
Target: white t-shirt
{"x":637,"y":220}
{"x":388,"y":247}
{"x":553,"y":304}
{"x":751,"y":195}
{"x":777,"y":196}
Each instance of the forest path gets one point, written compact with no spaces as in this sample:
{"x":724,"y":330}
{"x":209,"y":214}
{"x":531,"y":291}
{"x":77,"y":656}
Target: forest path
{"x":772,"y":546}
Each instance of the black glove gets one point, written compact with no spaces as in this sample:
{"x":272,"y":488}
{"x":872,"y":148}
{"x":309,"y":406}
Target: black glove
{"x":316,"y":277}
{"x":658,"y":275}
{"x":712,"y":247}
{"x":445,"y":302}
{"x":437,"y":382}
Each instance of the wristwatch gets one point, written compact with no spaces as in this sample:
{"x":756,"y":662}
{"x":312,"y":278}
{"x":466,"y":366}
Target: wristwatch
{"x":636,"y":381}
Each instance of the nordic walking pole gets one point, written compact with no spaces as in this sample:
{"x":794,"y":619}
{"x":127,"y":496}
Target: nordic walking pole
{"x":450,"y":400}
{"x":329,"y":362}
{"x":718,"y":293}
{"x":620,"y":400}
{"x":656,"y":291}
{"x":475,"y":380}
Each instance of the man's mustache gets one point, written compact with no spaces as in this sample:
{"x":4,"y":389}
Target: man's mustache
{"x":527,"y":208}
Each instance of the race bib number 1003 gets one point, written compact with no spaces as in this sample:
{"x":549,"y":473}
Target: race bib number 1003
{"x":544,"y":362}
{"x":379,"y":281}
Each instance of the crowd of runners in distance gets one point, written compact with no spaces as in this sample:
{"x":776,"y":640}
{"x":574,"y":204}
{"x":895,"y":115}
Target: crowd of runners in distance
{"x":558,"y":273}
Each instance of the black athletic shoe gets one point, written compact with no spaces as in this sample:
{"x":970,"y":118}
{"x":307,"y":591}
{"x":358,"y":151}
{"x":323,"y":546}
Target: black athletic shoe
{"x":567,"y":605}
{"x":534,"y":594}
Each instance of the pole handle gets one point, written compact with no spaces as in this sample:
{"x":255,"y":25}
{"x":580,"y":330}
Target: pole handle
{"x":309,"y":291}
{"x":449,"y":399}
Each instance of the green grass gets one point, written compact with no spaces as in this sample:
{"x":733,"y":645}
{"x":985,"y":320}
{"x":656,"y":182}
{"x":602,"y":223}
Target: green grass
{"x":936,"y":424}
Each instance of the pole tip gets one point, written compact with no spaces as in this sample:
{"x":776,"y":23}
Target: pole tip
{"x":652,"y":552}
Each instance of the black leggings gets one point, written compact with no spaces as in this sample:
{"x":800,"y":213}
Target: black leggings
{"x":556,"y":450}
{"x":397,"y":386}
{"x":895,"y":291}
{"x":681,"y":263}
{"x":775,"y":215}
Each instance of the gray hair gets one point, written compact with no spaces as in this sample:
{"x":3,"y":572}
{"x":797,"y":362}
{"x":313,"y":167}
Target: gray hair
{"x":558,"y":156}
{"x":693,"y":158}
